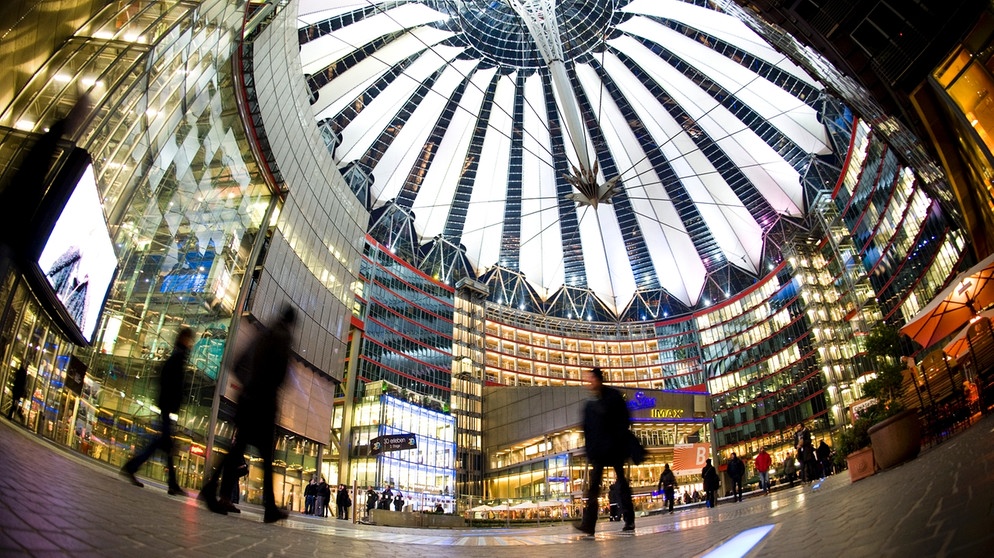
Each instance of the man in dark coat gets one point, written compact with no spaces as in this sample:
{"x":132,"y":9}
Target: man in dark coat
{"x":736,"y":470}
{"x":343,"y":501}
{"x":605,"y":429}
{"x":255,"y":419}
{"x":709,"y":475}
{"x":171,"y":377}
{"x":667,"y":483}
{"x":371,"y":498}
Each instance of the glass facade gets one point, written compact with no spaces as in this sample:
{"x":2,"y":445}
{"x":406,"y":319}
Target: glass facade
{"x":184,"y":200}
{"x":425,"y":474}
{"x":193,"y":221}
{"x":408,"y":329}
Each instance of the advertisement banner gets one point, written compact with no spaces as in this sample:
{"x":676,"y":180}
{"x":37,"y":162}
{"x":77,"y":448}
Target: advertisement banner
{"x":689,"y":459}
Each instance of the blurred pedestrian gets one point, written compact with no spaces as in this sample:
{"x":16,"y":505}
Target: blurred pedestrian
{"x":371,"y":498}
{"x":398,"y":502}
{"x":343,"y":501}
{"x":667,"y":482}
{"x":763,"y":462}
{"x":605,"y":427}
{"x":171,"y":387}
{"x":736,"y":470}
{"x":310,"y":495}
{"x":17,"y":392}
{"x":711,"y":484}
{"x":614,"y":502}
{"x":824,"y":455}
{"x":789,"y":469}
{"x":255,"y":419}
{"x":323,"y":499}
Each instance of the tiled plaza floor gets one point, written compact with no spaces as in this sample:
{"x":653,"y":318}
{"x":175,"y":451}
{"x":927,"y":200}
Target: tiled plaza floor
{"x":53,"y":502}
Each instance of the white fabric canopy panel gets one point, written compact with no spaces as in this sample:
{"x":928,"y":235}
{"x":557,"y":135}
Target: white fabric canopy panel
{"x":701,"y":178}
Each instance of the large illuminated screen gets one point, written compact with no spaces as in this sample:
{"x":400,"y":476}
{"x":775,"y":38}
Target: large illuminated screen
{"x":78,"y":259}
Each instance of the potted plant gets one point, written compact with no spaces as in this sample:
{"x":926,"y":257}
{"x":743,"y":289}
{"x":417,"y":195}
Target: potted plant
{"x":853,"y":451}
{"x":895,"y":432}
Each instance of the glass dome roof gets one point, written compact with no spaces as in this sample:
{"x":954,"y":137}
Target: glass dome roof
{"x":618,"y":147}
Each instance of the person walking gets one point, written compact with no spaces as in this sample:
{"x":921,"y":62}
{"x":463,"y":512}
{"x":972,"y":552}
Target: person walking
{"x":824,"y":454}
{"x":17,"y":392}
{"x":763,"y":463}
{"x":805,"y":453}
{"x":667,"y":483}
{"x":789,"y":469}
{"x":736,"y":470}
{"x":605,"y":428}
{"x":614,"y":502}
{"x":711,"y":483}
{"x":255,"y":419}
{"x":171,"y":385}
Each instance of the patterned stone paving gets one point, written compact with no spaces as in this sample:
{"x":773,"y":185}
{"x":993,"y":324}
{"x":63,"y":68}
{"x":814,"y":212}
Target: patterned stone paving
{"x":56,"y":503}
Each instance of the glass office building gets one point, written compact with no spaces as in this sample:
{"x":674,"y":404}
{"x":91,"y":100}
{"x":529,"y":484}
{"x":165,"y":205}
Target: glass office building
{"x":461,"y":197}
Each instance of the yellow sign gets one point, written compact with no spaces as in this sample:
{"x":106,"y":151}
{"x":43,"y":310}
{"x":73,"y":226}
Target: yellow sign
{"x":666,"y":413}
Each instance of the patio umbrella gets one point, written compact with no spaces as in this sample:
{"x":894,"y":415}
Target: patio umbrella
{"x":524,"y":506}
{"x":956,"y":305}
{"x":552,"y":504}
{"x":483,"y":508}
{"x":959,"y":344}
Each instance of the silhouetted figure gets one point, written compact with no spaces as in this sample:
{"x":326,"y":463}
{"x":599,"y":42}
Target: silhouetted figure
{"x":310,"y":495}
{"x":398,"y":502}
{"x":805,"y":453}
{"x":171,"y":377}
{"x":255,"y":419}
{"x":17,"y":392}
{"x":371,"y":498}
{"x":613,"y":502}
{"x":344,"y":502}
{"x":736,"y":470}
{"x":824,"y":454}
{"x":667,"y":482}
{"x":605,"y":428}
{"x":323,"y":499}
{"x":711,"y":483}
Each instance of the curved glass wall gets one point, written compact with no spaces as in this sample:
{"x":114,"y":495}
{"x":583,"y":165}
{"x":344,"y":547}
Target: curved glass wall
{"x":184,"y":200}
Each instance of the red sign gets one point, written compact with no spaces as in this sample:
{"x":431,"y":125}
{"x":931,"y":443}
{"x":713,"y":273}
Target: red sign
{"x":689,"y":459}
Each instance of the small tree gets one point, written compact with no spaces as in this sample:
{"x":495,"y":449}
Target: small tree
{"x":883,"y":347}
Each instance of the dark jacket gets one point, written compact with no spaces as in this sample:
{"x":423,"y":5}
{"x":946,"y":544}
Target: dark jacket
{"x":343,"y":499}
{"x":736,"y":469}
{"x":667,"y":479}
{"x":270,"y":359}
{"x":371,"y":498}
{"x":710,"y":476}
{"x":171,"y":377}
{"x":605,"y":427}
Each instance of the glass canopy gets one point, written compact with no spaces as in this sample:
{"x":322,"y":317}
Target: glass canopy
{"x":618,"y":147}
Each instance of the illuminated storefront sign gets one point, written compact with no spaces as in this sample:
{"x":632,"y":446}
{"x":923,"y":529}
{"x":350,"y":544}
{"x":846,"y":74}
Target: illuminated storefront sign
{"x":393,"y":442}
{"x":666,"y":413}
{"x":641,"y":401}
